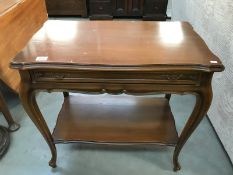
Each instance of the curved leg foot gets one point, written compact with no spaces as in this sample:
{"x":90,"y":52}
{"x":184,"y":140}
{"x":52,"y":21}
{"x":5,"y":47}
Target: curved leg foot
{"x":13,"y":127}
{"x":66,"y":94}
{"x":52,"y":163}
{"x":168,"y":96}
{"x":203,"y":101}
{"x":28,"y":99}
{"x":176,"y":164}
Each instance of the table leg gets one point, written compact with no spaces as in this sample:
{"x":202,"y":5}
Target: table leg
{"x":203,"y":101}
{"x":6,"y":113}
{"x":168,"y":96}
{"x":28,"y":99}
{"x":66,"y":94}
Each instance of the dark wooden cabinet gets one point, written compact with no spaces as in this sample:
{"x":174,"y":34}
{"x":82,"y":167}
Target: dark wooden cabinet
{"x":120,"y":7}
{"x":66,"y":7}
{"x":128,"y":7}
{"x":155,"y":9}
{"x":107,"y":9}
{"x":148,"y":9}
{"x":135,"y":7}
{"x":100,"y":9}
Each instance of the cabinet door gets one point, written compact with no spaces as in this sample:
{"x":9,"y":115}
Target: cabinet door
{"x":155,"y":9}
{"x":67,"y":7}
{"x":100,"y":9}
{"x":120,"y":7}
{"x":135,"y":7}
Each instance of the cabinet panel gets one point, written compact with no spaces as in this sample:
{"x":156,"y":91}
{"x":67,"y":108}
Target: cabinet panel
{"x":135,"y":7}
{"x":155,"y":9}
{"x":149,"y":9}
{"x":100,"y":9}
{"x":67,"y":7}
{"x":120,"y":7}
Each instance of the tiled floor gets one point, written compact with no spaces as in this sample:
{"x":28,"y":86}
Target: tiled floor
{"x":29,"y":154}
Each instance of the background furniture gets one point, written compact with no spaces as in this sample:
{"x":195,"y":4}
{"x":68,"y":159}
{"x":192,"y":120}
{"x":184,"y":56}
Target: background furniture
{"x":113,"y":64}
{"x":67,"y":7}
{"x":107,"y":9}
{"x":6,"y":113}
{"x":20,"y":19}
{"x":4,"y":136}
{"x":147,"y":9}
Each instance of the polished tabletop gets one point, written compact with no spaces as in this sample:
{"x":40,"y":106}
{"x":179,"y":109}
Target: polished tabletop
{"x":117,"y":43}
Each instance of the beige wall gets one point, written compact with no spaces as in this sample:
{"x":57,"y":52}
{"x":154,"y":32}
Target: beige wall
{"x":213,"y":20}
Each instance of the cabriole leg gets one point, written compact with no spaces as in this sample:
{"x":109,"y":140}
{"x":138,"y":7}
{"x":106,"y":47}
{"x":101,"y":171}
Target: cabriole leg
{"x":29,"y":102}
{"x":203,"y":101}
{"x":66,"y":94}
{"x":168,"y":96}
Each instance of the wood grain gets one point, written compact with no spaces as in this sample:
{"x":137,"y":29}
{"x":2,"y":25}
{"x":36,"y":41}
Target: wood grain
{"x":117,"y":43}
{"x":20,"y":19}
{"x":115,"y":120}
{"x":116,"y":57}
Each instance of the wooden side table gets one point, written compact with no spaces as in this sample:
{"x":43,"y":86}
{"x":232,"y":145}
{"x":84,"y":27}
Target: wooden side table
{"x":4,"y":136}
{"x":117,"y":57}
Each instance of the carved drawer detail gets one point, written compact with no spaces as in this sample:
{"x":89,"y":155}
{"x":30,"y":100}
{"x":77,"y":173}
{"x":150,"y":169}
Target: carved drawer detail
{"x":117,"y":77}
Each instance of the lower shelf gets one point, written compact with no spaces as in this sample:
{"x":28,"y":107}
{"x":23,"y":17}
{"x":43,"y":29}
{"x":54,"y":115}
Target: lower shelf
{"x":115,"y":120}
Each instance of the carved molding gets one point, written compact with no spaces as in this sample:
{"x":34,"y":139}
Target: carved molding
{"x":154,"y":76}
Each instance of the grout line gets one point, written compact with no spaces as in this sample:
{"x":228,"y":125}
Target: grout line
{"x":228,"y":157}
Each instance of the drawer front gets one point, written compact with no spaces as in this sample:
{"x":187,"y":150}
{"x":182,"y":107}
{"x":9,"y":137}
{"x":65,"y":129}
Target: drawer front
{"x":155,"y":6}
{"x":192,"y":78}
{"x":120,"y":7}
{"x":100,"y":7}
{"x":65,"y":5}
{"x":135,"y":7}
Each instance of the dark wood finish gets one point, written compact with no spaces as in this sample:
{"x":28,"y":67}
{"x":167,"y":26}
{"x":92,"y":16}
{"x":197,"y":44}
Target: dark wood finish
{"x":66,"y":94}
{"x":127,"y":7}
{"x":117,"y":57}
{"x":135,"y":7}
{"x":116,"y":120}
{"x":148,"y":9}
{"x":100,"y":9}
{"x":66,"y":7}
{"x":155,"y":10}
{"x":168,"y":96}
{"x":120,"y":7}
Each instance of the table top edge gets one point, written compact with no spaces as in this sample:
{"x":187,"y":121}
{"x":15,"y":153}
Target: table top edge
{"x":93,"y":67}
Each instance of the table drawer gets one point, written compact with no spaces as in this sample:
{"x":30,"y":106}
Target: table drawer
{"x":192,"y":78}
